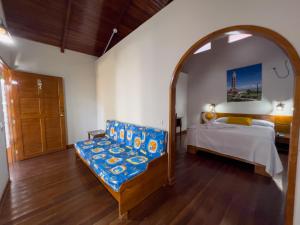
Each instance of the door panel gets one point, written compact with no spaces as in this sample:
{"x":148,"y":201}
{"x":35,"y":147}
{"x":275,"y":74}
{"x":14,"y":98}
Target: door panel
{"x":32,"y":137}
{"x":39,"y":114}
{"x":27,"y":85}
{"x":51,"y":107}
{"x":49,"y":87}
{"x":30,"y":107}
{"x":53,"y":134}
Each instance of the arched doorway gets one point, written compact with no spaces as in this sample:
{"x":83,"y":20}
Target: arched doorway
{"x":293,"y":56}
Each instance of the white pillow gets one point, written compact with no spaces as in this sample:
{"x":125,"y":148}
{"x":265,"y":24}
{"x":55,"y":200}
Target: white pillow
{"x":222,"y":120}
{"x":263,"y":123}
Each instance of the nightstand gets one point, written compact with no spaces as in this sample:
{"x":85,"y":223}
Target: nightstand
{"x":282,"y":141}
{"x":282,"y":138}
{"x":96,"y":134}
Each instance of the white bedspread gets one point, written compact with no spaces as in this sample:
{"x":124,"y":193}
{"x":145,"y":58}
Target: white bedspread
{"x":252,"y":143}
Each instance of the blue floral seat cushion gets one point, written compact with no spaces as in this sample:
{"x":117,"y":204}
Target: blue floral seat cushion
{"x":113,"y":163}
{"x":87,"y":148}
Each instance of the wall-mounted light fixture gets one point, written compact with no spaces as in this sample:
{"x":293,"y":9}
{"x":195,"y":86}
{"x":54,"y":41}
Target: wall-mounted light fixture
{"x":5,"y":36}
{"x":212,"y":107}
{"x":280,"y":106}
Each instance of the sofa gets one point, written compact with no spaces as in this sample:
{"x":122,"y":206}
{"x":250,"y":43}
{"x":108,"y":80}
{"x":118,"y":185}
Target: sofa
{"x":129,"y":160}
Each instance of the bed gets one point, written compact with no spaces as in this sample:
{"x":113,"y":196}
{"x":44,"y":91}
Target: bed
{"x":253,"y":144}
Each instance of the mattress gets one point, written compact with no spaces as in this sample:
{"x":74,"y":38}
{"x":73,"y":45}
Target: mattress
{"x":252,"y":143}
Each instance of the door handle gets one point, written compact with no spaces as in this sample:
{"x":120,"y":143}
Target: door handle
{"x":61,"y":114}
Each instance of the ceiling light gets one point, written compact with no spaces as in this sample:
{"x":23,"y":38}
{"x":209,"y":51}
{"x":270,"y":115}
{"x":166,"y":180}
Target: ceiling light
{"x":4,"y":34}
{"x":204,"y":48}
{"x":237,"y":37}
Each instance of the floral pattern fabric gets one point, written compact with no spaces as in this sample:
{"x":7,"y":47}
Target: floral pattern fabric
{"x":123,"y":153}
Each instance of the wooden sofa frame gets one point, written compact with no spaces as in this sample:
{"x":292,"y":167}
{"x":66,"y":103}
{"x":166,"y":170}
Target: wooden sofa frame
{"x":258,"y":168}
{"x":135,"y":190}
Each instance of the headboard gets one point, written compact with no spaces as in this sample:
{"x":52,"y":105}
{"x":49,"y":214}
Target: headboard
{"x":282,"y":123}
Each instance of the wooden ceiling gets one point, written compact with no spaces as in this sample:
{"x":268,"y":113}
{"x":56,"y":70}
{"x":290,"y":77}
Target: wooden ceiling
{"x":80,"y":25}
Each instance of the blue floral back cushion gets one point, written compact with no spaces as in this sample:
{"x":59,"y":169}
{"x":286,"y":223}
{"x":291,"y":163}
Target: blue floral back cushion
{"x":110,"y":128}
{"x":155,"y":144}
{"x":149,"y":141}
{"x":119,"y":132}
{"x":132,"y":131}
{"x":138,"y":138}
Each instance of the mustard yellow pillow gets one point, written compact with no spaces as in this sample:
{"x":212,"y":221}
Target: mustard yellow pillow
{"x":209,"y":115}
{"x":240,"y":121}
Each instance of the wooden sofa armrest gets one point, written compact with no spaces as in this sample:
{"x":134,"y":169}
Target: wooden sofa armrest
{"x":140,"y":187}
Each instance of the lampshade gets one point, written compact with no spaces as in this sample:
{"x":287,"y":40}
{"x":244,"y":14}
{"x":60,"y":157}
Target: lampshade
{"x":212,"y":107}
{"x":4,"y":34}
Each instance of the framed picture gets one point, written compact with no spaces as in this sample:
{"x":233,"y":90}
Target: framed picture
{"x":244,"y":84}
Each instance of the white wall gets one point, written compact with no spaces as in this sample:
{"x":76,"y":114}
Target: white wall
{"x":133,"y":78}
{"x":181,"y":99}
{"x":78,"y":72}
{"x":208,"y":78}
{"x":143,"y":63}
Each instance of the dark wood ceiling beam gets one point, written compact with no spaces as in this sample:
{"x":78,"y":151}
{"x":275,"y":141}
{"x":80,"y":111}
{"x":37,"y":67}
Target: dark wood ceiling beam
{"x":66,"y":25}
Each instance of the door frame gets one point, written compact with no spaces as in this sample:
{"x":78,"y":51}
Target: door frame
{"x":11,"y":157}
{"x":294,"y":58}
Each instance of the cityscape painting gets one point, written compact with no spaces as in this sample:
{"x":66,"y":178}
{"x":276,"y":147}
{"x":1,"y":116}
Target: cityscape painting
{"x":244,"y":84}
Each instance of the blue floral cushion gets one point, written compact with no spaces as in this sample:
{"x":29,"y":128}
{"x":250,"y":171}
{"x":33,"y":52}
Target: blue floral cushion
{"x":119,"y":132}
{"x":130,"y":131}
{"x":113,"y":163}
{"x":110,"y":128}
{"x":138,"y":138}
{"x":155,"y":144}
{"x":86,"y":148}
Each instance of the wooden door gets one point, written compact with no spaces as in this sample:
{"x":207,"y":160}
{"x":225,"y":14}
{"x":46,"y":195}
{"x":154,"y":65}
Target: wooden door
{"x":53,"y":113}
{"x":39,"y":114}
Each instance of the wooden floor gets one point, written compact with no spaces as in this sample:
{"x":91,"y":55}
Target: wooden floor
{"x":58,"y":189}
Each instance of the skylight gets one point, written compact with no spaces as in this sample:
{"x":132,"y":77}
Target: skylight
{"x":236,"y":37}
{"x":204,"y":48}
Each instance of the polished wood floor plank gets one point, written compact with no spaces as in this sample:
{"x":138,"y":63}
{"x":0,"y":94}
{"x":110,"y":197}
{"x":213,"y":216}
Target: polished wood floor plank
{"x":209,"y":190}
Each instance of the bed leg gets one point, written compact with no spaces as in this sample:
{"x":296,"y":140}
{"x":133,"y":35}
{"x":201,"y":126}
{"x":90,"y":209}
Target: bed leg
{"x":191,"y":149}
{"x":261,"y":170}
